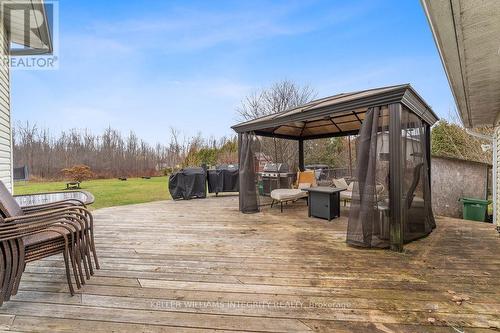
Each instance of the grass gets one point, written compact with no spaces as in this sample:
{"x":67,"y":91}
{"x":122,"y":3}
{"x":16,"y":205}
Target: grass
{"x":108,"y":192}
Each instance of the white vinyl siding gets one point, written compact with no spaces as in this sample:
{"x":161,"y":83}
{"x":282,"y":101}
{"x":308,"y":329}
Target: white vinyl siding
{"x":496,"y":176}
{"x":5,"y":120}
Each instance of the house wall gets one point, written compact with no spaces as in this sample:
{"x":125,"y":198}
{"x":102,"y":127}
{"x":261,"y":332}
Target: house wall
{"x":5,"y":120}
{"x":496,"y":163}
{"x":453,"y":179}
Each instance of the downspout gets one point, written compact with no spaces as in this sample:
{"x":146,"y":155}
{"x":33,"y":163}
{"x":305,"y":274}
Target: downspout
{"x":479,"y":135}
{"x":494,"y":181}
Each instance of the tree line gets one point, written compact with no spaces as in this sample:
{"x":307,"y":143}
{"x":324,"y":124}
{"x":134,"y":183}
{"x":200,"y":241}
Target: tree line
{"x":111,"y":154}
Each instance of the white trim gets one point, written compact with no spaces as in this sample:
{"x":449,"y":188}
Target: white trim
{"x":465,"y":33}
{"x":451,"y":67}
{"x":496,"y":176}
{"x":11,"y":139}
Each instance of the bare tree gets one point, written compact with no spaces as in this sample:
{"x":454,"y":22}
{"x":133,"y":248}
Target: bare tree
{"x":281,"y":96}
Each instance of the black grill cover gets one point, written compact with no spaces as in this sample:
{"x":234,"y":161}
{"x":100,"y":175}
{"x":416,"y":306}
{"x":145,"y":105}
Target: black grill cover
{"x":188,"y":184}
{"x":223,"y":180}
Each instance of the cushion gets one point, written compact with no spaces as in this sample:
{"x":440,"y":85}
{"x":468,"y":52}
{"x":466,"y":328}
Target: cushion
{"x":307,"y":176}
{"x":283,"y":194}
{"x":345,"y":195}
{"x":8,"y":205}
{"x":350,"y":187}
{"x":340,"y":183}
{"x":304,"y":185}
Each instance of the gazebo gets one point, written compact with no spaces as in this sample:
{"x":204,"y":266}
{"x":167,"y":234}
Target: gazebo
{"x":393,"y":153}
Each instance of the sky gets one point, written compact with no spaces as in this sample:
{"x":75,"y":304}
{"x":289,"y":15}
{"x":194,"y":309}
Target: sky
{"x":148,"y":66}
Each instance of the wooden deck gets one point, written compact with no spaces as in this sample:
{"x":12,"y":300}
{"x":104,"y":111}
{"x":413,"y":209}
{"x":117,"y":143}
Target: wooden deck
{"x":198,"y":266}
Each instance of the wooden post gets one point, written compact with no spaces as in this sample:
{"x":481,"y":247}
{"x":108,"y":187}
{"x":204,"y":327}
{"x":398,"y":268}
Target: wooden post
{"x":301,"y":155}
{"x":396,"y":184}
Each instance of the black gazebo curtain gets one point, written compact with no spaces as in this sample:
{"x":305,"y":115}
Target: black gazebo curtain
{"x":248,"y":150}
{"x":418,"y":219}
{"x":368,"y":224}
{"x":370,"y":215}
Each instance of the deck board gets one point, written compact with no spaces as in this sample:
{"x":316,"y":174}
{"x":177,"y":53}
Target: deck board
{"x":201,"y":266}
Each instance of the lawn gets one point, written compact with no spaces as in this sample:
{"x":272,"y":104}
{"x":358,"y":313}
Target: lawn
{"x":109,"y":192}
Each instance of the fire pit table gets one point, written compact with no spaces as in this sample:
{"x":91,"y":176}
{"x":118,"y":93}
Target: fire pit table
{"x":324,"y":201}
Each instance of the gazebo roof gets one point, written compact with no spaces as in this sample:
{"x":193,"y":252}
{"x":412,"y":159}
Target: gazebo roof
{"x":337,"y":115}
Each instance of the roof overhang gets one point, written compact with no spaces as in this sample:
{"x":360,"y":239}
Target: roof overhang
{"x":467,"y":35}
{"x":338,"y":115}
{"x":38,"y":40}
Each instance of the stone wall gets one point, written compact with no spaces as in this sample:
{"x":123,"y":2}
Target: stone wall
{"x":453,"y":179}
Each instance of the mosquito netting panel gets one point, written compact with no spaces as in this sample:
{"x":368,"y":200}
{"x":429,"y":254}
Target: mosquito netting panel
{"x":249,"y":149}
{"x":266,"y":164}
{"x":368,"y":224}
{"x":418,"y":219}
{"x":277,"y":157}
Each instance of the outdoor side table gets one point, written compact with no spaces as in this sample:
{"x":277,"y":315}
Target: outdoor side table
{"x":324,"y":202}
{"x":44,"y":198}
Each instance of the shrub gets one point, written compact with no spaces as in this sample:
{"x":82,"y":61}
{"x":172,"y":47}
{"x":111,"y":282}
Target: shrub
{"x":78,"y":173}
{"x":452,"y":140}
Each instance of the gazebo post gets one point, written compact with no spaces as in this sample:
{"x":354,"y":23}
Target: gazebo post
{"x":301,"y":155}
{"x":395,"y":175}
{"x":428,"y":152}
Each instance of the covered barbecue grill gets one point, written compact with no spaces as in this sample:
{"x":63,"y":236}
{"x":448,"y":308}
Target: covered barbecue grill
{"x":224,"y":178}
{"x":188,"y":183}
{"x":275,"y":176}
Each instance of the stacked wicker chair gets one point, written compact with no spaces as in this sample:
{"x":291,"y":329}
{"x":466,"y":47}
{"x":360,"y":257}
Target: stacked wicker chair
{"x":32,"y":233}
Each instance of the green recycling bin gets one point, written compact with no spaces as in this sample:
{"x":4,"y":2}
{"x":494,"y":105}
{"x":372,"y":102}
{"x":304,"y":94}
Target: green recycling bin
{"x":475,"y":209}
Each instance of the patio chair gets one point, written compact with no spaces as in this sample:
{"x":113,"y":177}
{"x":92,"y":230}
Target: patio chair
{"x":36,"y":232}
{"x":305,"y":179}
{"x":76,"y":203}
{"x":346,"y":196}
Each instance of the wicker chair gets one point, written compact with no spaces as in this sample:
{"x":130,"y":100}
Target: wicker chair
{"x":76,"y":204}
{"x":36,"y":232}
